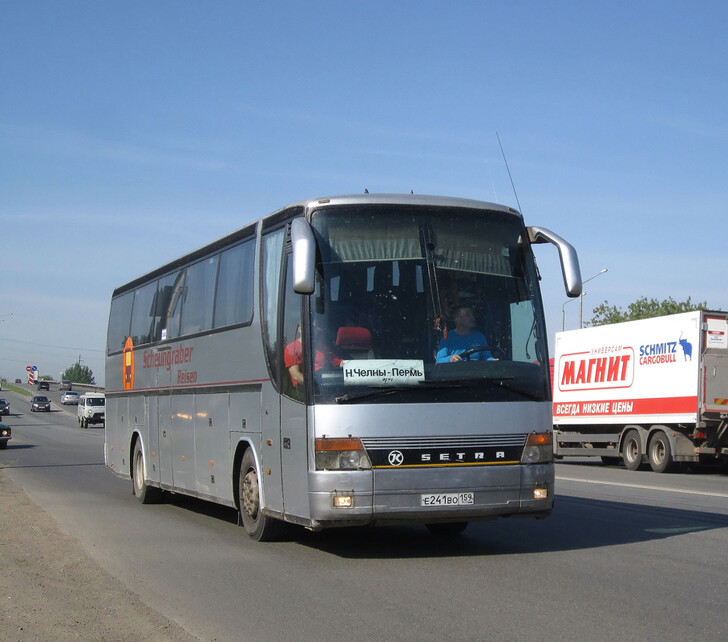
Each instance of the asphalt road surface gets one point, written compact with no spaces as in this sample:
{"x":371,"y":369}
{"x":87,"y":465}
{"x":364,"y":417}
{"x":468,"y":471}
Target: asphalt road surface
{"x":626,"y":555}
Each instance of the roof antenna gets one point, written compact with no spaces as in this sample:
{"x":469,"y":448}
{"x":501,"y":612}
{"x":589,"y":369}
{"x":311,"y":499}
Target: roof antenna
{"x":509,"y":173}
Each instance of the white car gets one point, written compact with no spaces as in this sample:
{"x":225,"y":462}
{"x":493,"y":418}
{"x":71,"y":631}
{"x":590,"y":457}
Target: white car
{"x":70,"y":397}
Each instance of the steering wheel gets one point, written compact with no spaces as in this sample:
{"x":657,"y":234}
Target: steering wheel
{"x":465,"y":356}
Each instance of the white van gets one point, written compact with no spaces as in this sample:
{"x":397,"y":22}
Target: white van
{"x":91,"y":409}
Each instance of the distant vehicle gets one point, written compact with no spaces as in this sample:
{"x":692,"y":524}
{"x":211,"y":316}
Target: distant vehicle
{"x":4,"y":407}
{"x":44,"y":385}
{"x":18,"y":381}
{"x":40,"y":403}
{"x":70,"y":397}
{"x":4,"y":435}
{"x":91,"y":409}
{"x":65,"y":385}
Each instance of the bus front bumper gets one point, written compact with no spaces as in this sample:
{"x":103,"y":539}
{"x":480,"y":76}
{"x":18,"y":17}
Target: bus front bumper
{"x":429,"y":494}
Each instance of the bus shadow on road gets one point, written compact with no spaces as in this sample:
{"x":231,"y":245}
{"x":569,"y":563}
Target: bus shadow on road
{"x":576,"y":524}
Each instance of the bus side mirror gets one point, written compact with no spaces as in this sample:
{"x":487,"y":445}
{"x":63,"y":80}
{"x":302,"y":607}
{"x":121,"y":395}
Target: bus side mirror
{"x":567,"y":254}
{"x":304,"y":256}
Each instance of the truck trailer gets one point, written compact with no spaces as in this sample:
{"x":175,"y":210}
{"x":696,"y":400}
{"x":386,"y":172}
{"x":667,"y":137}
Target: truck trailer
{"x":649,"y":391}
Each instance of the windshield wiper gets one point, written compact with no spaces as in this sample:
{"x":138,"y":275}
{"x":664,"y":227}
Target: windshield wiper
{"x":497,"y":382}
{"x":500,"y":382}
{"x":352,"y":396}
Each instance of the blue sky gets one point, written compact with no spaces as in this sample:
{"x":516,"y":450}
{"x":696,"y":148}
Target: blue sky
{"x":132,"y":133}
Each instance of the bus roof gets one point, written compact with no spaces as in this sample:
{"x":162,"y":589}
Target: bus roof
{"x":402,"y":199}
{"x":248,"y":231}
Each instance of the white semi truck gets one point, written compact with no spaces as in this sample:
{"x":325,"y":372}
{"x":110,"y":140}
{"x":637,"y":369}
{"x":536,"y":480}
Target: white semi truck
{"x":649,"y":391}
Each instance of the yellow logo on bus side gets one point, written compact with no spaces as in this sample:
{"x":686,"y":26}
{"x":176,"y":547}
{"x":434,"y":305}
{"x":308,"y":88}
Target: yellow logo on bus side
{"x":128,"y":365}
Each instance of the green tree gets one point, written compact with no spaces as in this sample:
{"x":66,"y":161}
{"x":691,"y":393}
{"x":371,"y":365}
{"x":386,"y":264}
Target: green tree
{"x":79,"y":374}
{"x":642,"y":308}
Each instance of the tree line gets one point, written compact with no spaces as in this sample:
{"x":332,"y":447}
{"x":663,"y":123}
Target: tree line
{"x":642,"y":308}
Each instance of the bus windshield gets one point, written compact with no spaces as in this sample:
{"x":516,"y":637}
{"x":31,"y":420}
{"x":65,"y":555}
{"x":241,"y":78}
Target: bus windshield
{"x":434,"y":304}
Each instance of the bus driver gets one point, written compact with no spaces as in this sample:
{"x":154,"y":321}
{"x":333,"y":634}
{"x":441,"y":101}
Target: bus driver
{"x":463,"y":338}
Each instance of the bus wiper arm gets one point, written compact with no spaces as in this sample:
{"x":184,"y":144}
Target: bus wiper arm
{"x":496,"y":382}
{"x":500,"y":382}
{"x":379,"y":392}
{"x":353,"y":396}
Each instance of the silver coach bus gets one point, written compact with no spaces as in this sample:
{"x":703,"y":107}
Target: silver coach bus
{"x":292,"y":368}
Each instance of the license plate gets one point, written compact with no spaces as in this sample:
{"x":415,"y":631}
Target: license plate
{"x":447,"y":499}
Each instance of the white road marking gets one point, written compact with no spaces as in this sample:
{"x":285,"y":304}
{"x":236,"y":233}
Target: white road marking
{"x":643,"y":487}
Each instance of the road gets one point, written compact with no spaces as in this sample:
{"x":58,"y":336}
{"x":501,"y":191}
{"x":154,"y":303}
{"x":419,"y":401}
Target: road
{"x":626,"y":555}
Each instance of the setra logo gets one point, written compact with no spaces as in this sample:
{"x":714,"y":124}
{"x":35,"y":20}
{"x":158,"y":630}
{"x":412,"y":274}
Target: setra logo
{"x":127,"y":358}
{"x":395,"y":458}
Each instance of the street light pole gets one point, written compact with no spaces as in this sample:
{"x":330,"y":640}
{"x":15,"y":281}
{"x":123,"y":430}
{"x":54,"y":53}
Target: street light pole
{"x":581,"y":297}
{"x":563,"y":313}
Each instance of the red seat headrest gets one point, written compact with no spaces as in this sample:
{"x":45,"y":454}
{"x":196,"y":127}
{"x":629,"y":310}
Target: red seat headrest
{"x":353,"y":338}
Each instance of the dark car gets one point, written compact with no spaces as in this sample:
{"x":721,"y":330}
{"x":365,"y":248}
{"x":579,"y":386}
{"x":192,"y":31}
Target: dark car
{"x":65,"y":385}
{"x":44,"y":385}
{"x":18,"y":381}
{"x":4,"y":407}
{"x":4,"y":435}
{"x":40,"y":403}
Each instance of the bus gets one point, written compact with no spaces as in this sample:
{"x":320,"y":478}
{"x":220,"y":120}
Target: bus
{"x":291,"y":369}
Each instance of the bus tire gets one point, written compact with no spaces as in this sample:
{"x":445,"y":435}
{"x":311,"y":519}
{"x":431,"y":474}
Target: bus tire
{"x":145,"y":493}
{"x":257,"y":526}
{"x":448,"y":529}
{"x":660,"y":453}
{"x":632,"y":450}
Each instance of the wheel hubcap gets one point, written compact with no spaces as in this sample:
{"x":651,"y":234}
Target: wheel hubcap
{"x":250,"y":494}
{"x":138,"y":472}
{"x":632,"y":450}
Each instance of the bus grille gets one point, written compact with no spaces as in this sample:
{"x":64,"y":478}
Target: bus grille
{"x":464,"y":450}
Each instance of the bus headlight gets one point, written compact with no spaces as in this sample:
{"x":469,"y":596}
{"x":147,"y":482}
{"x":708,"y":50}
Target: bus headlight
{"x":341,"y":454}
{"x":538,"y":449}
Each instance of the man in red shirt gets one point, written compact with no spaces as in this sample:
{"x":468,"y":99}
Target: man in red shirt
{"x":293,"y":359}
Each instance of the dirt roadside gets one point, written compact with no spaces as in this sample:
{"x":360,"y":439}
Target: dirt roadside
{"x":52,"y":589}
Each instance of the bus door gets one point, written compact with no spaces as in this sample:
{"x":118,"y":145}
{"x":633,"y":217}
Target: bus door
{"x":283,"y":422}
{"x":271,"y":476}
{"x":294,"y":433}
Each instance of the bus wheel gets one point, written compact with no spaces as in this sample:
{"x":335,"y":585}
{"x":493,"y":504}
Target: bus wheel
{"x":449,"y":529}
{"x":632,"y":450}
{"x":144,"y":493}
{"x":660,"y":453}
{"x":257,"y":525}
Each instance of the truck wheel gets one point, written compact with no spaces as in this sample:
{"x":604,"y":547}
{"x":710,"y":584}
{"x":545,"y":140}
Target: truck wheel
{"x":660,"y":453}
{"x":144,"y":493}
{"x":258,"y":526}
{"x":632,"y":450}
